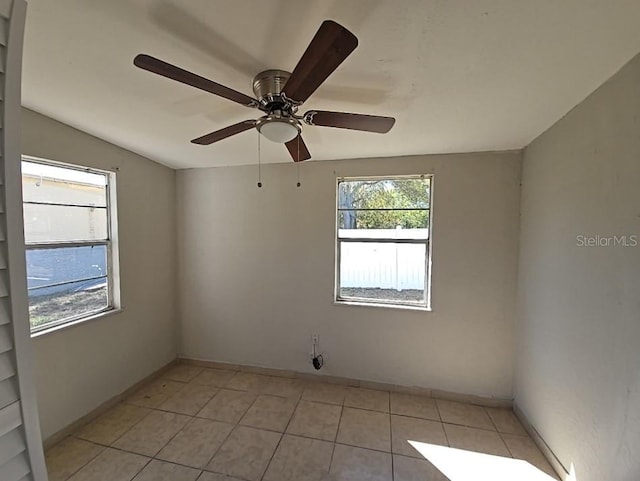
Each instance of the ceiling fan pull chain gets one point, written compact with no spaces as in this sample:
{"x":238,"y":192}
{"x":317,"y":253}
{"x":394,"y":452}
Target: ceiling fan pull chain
{"x":298,"y":162}
{"x":259,"y":169}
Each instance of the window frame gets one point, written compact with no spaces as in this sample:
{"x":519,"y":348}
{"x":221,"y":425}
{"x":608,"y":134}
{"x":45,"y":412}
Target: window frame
{"x":111,"y":244}
{"x":367,"y":302}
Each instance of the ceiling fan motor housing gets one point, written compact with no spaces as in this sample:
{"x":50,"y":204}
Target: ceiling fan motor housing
{"x":268,"y":86}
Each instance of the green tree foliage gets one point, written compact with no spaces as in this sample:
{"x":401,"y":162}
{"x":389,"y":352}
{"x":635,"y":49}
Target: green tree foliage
{"x":362,"y":199}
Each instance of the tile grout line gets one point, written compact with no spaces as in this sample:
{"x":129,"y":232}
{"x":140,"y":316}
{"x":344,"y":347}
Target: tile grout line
{"x":164,"y":412}
{"x":191,"y":419}
{"x":335,"y":442}
{"x":175,"y":464}
{"x":244,"y":413}
{"x":235,"y":424}
{"x":264,"y":473}
{"x":391,"y":435}
{"x":151,"y":410}
{"x":124,"y":433}
{"x":335,"y":438}
{"x":493,"y":423}
{"x":487,"y":412}
{"x":153,"y":456}
{"x":393,"y":474}
{"x":498,"y":431}
{"x":251,"y":427}
{"x":506,"y":445}
{"x":184,"y":390}
{"x":150,"y":458}
{"x":141,"y":469}
{"x":446,"y":437}
{"x":85,"y":464}
{"x":438,"y":411}
{"x":127,"y":452}
{"x":333,"y":450}
{"x":204,"y":468}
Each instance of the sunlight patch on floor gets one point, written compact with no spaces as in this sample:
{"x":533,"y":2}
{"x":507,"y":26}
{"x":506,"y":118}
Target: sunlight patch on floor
{"x":461,"y":465}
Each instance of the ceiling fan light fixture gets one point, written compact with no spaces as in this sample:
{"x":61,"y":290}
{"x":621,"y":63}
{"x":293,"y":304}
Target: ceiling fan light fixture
{"x":279,"y":130}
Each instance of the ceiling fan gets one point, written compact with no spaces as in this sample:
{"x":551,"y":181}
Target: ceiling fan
{"x":280,"y":93}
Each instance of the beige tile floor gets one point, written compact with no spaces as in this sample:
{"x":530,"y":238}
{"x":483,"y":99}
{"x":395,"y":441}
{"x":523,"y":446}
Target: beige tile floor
{"x":206,"y":424}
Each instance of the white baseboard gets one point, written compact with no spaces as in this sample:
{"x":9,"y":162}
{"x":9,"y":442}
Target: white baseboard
{"x":421,"y":391}
{"x":555,"y":463}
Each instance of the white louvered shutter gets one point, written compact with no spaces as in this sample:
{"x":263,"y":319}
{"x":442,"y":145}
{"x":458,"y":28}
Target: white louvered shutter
{"x":21,"y":456}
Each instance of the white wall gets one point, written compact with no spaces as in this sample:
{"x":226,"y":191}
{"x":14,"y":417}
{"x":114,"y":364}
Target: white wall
{"x":256,"y":274}
{"x":80,"y":367}
{"x":578,"y":370}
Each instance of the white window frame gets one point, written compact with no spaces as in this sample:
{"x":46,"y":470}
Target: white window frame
{"x":356,"y":301}
{"x":111,"y":243}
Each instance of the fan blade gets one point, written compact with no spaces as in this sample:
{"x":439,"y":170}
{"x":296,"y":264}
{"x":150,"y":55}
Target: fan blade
{"x":224,"y":133}
{"x":344,"y":120}
{"x":165,"y":69}
{"x":298,"y":149}
{"x":331,"y":45}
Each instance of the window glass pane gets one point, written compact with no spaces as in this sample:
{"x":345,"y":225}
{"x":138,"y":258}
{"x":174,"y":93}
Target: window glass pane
{"x":384,"y":194}
{"x":50,"y":305}
{"x":406,"y":220}
{"x":50,"y":223}
{"x":60,"y":185}
{"x":46,"y":267}
{"x":383,"y":272}
{"x":66,"y":282}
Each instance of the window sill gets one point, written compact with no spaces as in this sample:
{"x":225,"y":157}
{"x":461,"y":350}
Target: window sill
{"x":382,"y":304}
{"x":76,"y":322}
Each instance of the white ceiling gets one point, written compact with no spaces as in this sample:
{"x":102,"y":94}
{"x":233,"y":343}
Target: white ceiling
{"x":459,"y":76}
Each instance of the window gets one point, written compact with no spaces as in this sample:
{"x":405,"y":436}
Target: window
{"x":70,"y":253}
{"x":383,"y":241}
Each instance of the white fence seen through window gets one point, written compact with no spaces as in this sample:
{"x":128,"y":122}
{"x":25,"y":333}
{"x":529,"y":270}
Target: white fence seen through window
{"x":383,"y":265}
